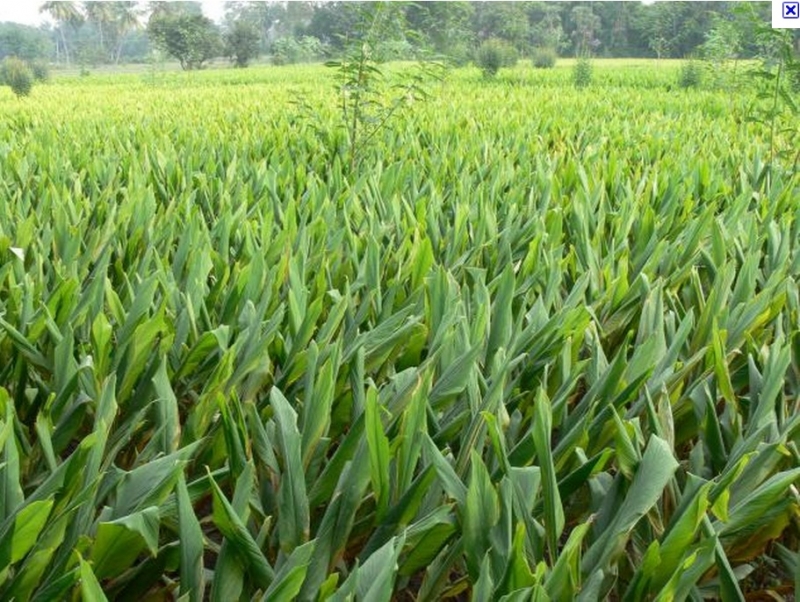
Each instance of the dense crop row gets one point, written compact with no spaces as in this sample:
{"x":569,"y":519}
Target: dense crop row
{"x":544,"y":345}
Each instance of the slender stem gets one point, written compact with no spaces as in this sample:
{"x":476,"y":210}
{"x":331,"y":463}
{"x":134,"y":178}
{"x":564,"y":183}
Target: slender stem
{"x":775,"y":112}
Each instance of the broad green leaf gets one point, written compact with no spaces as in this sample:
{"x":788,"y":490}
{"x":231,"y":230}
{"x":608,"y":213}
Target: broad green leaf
{"x":119,"y":542}
{"x":379,"y":456}
{"x":151,"y":483}
{"x":293,"y":525}
{"x":228,"y":522}
{"x":480,"y":513}
{"x":90,"y":587}
{"x":290,"y":576}
{"x":553,"y":510}
{"x":654,"y":472}
{"x":192,"y":546}
{"x":28,"y":523}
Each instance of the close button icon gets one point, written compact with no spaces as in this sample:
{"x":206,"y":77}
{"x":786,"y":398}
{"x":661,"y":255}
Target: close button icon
{"x":791,"y":10}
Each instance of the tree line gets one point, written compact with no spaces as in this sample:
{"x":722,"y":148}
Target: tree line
{"x":92,"y":33}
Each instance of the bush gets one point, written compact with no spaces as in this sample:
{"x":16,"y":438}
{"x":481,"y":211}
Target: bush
{"x":41,"y":72}
{"x":582,"y":72}
{"x":394,"y":50}
{"x":494,"y":54}
{"x":286,"y":51}
{"x":17,"y":75}
{"x":691,"y":74}
{"x":458,"y":54}
{"x":544,"y":58}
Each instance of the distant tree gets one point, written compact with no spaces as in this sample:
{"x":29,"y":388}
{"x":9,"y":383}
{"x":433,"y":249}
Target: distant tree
{"x":189,"y":38}
{"x":721,"y":50}
{"x":723,"y":41}
{"x":334,"y":23}
{"x":684,"y":24}
{"x":25,"y":42}
{"x":290,"y":50}
{"x":660,"y":45}
{"x":587,"y":25}
{"x":506,"y":21}
{"x":64,"y":14}
{"x":547,"y":30}
{"x":297,"y":17}
{"x":163,"y":9}
{"x":267,"y":17}
{"x":443,"y":27}
{"x":100,"y":15}
{"x":624,"y":29}
{"x":124,"y":19}
{"x":242,"y":43}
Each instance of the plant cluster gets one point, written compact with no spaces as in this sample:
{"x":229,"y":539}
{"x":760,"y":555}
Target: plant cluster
{"x":776,"y":105}
{"x":691,"y":74}
{"x":17,"y":75}
{"x":582,"y":72}
{"x":544,"y":58}
{"x":369,"y":100}
{"x":494,"y":54}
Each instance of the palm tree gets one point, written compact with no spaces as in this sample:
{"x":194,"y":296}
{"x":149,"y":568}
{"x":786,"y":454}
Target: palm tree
{"x":63,"y":13}
{"x":163,"y":9}
{"x":99,"y":13}
{"x":126,"y":17}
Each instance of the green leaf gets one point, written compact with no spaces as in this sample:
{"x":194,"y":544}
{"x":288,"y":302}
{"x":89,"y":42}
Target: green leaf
{"x":151,"y":483}
{"x":376,"y":575}
{"x":444,"y":471}
{"x":518,"y":572}
{"x":480,"y":512}
{"x":455,"y":377}
{"x":231,"y":526}
{"x":502,"y":315}
{"x":90,"y":587}
{"x":378,"y":445}
{"x":119,"y":542}
{"x":11,"y":496}
{"x":654,"y":472}
{"x":192,"y":547}
{"x":167,"y":415}
{"x":290,"y":576}
{"x":564,"y":580}
{"x":317,"y":411}
{"x":553,"y":510}
{"x":721,"y":365}
{"x":484,"y":585}
{"x":293,"y":507}
{"x":24,"y":532}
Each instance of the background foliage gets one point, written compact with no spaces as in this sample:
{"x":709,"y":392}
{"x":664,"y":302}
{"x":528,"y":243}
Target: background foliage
{"x":92,"y":33}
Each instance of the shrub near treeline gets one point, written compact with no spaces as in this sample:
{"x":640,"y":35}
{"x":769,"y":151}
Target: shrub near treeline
{"x":493,"y":54}
{"x":20,"y":75}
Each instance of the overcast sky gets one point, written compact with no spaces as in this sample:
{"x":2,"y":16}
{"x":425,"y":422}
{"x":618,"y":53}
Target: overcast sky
{"x":27,"y":11}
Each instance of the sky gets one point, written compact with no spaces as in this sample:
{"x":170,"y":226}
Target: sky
{"x":27,"y":11}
